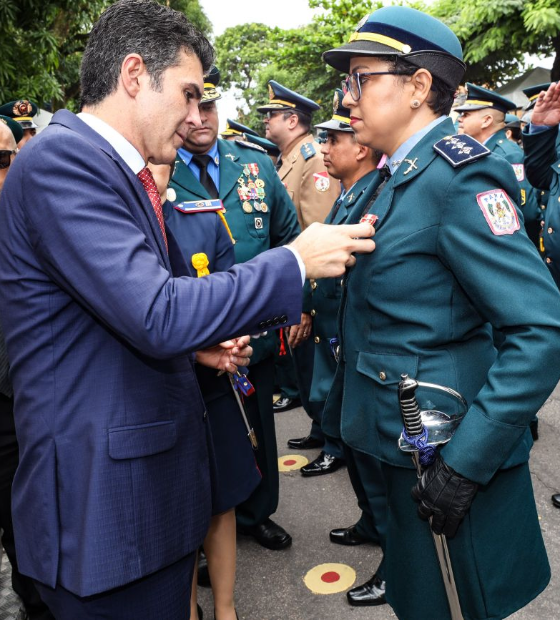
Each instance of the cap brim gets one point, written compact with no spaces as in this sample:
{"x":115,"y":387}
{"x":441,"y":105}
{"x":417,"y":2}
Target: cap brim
{"x":339,"y":58}
{"x":274,"y":107}
{"x":334,"y":125}
{"x":469,"y":107}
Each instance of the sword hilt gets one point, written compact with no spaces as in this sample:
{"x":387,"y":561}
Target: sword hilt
{"x":410,"y":410}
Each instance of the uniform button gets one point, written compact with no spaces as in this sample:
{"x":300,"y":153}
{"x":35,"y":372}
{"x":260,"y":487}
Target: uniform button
{"x":549,"y":230}
{"x":313,"y":285}
{"x":548,"y":260}
{"x":317,"y":339}
{"x":205,"y":414}
{"x":276,"y":320}
{"x":342,"y":282}
{"x":262,"y":325}
{"x":269,"y":323}
{"x":283,"y":319}
{"x":313,"y":313}
{"x":382,"y":376}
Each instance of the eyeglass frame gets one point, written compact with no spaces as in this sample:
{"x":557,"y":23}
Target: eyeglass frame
{"x":9,"y":153}
{"x":356,"y":78}
{"x":270,"y":114}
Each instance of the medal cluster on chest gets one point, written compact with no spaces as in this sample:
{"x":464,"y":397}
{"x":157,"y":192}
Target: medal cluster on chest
{"x":252,"y":193}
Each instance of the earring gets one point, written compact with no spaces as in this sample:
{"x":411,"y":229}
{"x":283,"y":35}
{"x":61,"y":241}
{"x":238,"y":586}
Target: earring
{"x":415,"y":103}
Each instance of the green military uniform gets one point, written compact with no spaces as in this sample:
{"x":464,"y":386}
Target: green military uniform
{"x":364,"y":470}
{"x":260,"y":216}
{"x":542,"y":153}
{"x":451,"y":258}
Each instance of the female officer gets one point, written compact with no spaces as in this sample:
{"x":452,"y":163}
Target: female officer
{"x":451,"y":261}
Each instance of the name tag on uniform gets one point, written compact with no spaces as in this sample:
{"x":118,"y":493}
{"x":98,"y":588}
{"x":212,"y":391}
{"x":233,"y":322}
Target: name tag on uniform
{"x":200,"y":206}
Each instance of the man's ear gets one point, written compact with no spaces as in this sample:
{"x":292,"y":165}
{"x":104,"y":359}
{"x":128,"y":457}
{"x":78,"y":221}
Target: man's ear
{"x":133,"y":72}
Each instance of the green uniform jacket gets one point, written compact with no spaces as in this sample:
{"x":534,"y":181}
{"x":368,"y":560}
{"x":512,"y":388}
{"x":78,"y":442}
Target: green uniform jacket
{"x":542,"y":154}
{"x":253,"y":231}
{"x":529,"y":203}
{"x":422,"y":303}
{"x":325,"y":300}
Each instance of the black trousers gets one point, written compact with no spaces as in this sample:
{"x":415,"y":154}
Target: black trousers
{"x":9,"y":455}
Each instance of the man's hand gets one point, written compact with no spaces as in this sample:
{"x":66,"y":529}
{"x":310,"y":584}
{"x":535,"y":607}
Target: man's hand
{"x":301,"y":332}
{"x":444,"y":495}
{"x":228,"y":355}
{"x":326,"y":250}
{"x":547,"y":108}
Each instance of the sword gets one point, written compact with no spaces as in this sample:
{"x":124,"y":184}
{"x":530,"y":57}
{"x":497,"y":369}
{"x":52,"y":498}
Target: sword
{"x":415,"y":429}
{"x":233,"y":383}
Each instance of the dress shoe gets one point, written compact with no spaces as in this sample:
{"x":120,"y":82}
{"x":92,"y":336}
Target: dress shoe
{"x":199,"y":612}
{"x":285,"y":404}
{"x":534,"y":426}
{"x":268,"y":534}
{"x":347,"y":536}
{"x":556,"y":500}
{"x":370,"y":594}
{"x":305,"y":443}
{"x":203,"y":575}
{"x":323,"y":464}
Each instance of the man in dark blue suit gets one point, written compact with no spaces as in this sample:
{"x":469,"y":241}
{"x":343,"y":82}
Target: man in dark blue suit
{"x":112,"y":493}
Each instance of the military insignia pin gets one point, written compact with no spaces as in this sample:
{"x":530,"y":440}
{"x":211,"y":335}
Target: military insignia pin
{"x":322,"y":181}
{"x":22,"y":108}
{"x":171,"y":194}
{"x":264,"y":207}
{"x":259,"y":225}
{"x":498,"y":211}
{"x":247,"y":207}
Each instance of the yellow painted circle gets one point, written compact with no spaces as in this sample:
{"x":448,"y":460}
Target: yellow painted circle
{"x":330,"y":578}
{"x":291,"y":462}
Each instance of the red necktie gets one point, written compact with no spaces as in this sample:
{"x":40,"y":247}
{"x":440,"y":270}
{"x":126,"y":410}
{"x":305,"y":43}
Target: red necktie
{"x":145,"y":175}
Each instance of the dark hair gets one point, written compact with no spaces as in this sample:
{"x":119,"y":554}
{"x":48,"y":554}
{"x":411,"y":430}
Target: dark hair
{"x":441,"y":95}
{"x":155,"y":32}
{"x":303,"y":118}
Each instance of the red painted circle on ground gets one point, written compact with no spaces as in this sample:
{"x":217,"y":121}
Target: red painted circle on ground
{"x":330,"y":577}
{"x":289,"y":462}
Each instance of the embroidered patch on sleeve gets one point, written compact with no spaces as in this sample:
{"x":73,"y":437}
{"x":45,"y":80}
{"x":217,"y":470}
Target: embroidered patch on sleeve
{"x":499,"y":211}
{"x":322,"y":181}
{"x":519,"y":170}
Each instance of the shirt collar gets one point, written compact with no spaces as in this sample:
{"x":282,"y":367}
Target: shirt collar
{"x":405,"y":148}
{"x":122,"y":146}
{"x":187,"y":156}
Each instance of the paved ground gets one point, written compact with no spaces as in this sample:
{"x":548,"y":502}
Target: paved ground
{"x":270,"y":583}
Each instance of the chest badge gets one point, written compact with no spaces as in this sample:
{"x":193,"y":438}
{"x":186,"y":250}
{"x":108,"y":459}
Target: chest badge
{"x":322,"y":181}
{"x":412,"y":165}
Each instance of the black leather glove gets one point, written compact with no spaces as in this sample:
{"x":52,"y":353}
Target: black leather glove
{"x":444,"y":495}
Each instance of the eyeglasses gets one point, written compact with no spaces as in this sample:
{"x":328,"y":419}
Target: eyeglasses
{"x":6,"y":158}
{"x":353,"y":83}
{"x":272,"y":113}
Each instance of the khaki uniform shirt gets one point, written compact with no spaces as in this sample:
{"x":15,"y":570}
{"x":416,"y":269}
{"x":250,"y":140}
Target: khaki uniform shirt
{"x":311,"y":188}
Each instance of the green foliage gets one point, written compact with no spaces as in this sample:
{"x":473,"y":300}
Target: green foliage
{"x":42,"y":41}
{"x":496,"y":34}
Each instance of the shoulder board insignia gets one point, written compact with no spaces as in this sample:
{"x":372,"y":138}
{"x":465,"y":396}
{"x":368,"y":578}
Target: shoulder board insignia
{"x":460,"y":149}
{"x":307,"y":150}
{"x":250,"y":145}
{"x":200,"y":206}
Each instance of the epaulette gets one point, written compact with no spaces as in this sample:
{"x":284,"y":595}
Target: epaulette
{"x":199,"y":206}
{"x":250,"y":145}
{"x":308,"y":150}
{"x":460,"y":149}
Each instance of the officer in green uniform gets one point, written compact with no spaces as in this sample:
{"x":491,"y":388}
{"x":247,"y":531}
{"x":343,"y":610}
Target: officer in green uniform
{"x":236,"y":131}
{"x":354,"y":165}
{"x":541,"y":140}
{"x":482,"y":117}
{"x":451,"y":258}
{"x":22,"y":111}
{"x":260,"y":215}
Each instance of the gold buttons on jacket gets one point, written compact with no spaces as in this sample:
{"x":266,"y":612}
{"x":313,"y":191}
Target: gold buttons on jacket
{"x":313,"y":312}
{"x":382,"y":375}
{"x":548,"y":260}
{"x":313,"y":285}
{"x":549,"y":230}
{"x":317,"y":340}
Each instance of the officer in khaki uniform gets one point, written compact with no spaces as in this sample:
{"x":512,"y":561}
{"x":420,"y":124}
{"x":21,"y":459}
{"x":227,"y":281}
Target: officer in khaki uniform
{"x":313,"y":191}
{"x":451,"y":257}
{"x":259,"y":215}
{"x":482,"y":116}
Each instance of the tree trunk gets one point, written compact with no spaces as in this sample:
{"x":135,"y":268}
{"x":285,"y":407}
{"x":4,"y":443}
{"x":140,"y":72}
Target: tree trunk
{"x":555,"y":71}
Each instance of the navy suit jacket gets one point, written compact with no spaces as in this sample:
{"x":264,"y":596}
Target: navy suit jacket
{"x":113,"y":482}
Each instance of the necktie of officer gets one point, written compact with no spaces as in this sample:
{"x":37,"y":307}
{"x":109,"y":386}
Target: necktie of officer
{"x":147,"y":179}
{"x":202,"y":162}
{"x":385,"y":174}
